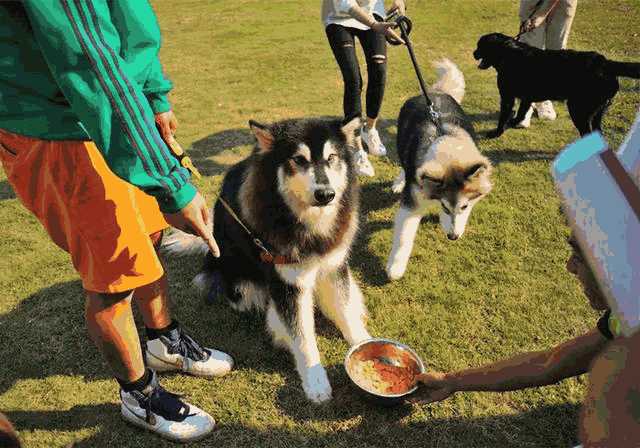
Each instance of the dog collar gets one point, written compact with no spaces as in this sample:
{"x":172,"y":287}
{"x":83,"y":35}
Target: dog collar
{"x":266,"y":256}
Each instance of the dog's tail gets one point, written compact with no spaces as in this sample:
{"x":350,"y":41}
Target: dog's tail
{"x":179,"y":244}
{"x":625,"y":69}
{"x":450,"y":79}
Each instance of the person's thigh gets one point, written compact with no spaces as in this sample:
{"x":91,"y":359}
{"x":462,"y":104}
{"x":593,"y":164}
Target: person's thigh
{"x":559,"y":24}
{"x":101,"y":220}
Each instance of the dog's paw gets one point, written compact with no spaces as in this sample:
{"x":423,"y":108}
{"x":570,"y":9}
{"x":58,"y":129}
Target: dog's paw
{"x":316,"y":384}
{"x":395,"y":269}
{"x":397,"y":187}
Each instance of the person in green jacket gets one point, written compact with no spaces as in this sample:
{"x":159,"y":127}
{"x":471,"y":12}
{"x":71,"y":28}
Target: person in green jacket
{"x":84,"y":127}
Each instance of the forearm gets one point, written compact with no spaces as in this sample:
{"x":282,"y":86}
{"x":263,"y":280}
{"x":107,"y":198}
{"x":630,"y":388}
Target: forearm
{"x":362,"y":15}
{"x":532,"y":369}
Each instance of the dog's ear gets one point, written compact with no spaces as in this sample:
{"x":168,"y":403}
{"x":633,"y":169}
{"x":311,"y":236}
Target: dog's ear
{"x":349,"y":130}
{"x":476,"y":170}
{"x":263,"y":135}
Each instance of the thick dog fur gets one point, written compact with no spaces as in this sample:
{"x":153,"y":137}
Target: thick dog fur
{"x":439,"y":166}
{"x":585,"y":79}
{"x":298,"y":193}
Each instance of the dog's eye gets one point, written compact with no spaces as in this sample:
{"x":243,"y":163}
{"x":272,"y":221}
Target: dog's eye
{"x":332,"y":159}
{"x":464,"y":207}
{"x":300,"y":161}
{"x":445,"y":208}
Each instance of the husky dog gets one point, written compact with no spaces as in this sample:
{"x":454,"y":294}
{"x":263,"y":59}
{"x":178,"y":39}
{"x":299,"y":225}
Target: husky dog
{"x":297,"y":193}
{"x":443,"y":165}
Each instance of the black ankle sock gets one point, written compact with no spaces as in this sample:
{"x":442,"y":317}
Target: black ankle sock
{"x":155,"y":333}
{"x":138,"y":384}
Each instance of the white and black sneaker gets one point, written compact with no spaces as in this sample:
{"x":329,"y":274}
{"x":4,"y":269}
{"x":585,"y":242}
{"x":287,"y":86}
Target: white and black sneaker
{"x":372,"y":139}
{"x":165,"y":413}
{"x":177,"y":351}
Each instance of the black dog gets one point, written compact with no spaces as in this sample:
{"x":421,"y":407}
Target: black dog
{"x":585,"y":79}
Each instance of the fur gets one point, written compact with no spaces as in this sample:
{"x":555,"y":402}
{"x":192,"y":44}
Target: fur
{"x":298,"y":193}
{"x":437,"y":165}
{"x":585,"y":79}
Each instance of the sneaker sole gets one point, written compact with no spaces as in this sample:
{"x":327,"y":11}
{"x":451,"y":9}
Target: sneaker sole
{"x":131,"y":418}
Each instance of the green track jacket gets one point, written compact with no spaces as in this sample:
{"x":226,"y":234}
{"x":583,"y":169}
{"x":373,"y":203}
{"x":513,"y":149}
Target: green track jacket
{"x":80,"y":70}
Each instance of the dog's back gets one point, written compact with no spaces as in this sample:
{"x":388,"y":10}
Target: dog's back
{"x":417,"y":131}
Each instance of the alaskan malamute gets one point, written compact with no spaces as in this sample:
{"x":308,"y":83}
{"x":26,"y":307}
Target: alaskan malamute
{"x":444,"y":166}
{"x":297,"y":194}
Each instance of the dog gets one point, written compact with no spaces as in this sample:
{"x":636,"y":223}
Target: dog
{"x":437,"y":164}
{"x":585,"y":79}
{"x":298,"y":195}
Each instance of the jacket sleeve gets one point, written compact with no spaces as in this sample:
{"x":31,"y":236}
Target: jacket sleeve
{"x":78,"y":40}
{"x":157,"y":87}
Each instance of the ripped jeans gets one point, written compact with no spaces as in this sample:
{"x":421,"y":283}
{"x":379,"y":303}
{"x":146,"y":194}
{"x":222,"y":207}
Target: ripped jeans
{"x":374,"y":45}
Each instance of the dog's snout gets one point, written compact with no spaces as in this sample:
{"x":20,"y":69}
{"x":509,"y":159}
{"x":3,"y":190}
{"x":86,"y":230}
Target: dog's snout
{"x":453,"y":236}
{"x":324,"y":195}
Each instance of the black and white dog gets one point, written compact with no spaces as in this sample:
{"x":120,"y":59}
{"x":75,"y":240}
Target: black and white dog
{"x":437,"y":164}
{"x":298,"y":194}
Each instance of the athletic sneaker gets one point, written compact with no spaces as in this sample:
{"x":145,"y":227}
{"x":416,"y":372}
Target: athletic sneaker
{"x":363,"y":166}
{"x":178,"y":351}
{"x":526,"y":122}
{"x":164,"y":413}
{"x":545,"y":110}
{"x":371,"y":138}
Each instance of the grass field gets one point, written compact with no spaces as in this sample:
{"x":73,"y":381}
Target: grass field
{"x":499,"y":290}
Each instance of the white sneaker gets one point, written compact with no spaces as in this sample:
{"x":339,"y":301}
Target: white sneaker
{"x":545,"y":110}
{"x":178,"y":351}
{"x":371,"y":138}
{"x":526,"y":122}
{"x":363,"y":166}
{"x":164,"y":413}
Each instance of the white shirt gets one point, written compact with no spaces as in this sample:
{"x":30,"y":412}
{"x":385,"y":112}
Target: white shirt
{"x":337,"y":11}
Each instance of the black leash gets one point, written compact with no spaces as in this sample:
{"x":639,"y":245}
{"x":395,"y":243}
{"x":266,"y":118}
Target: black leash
{"x":405,"y":25}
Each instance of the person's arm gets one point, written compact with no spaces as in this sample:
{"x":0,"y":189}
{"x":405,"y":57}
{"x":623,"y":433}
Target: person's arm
{"x":76,"y":39}
{"x":540,"y":15}
{"x":157,"y":87}
{"x":361,"y":15}
{"x":532,"y":369}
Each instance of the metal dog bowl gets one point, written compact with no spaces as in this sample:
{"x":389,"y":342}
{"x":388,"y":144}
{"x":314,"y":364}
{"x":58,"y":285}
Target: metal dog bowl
{"x":383,"y":370}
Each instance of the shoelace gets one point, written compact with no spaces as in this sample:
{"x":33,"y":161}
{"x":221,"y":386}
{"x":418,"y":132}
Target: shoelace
{"x":164,"y":403}
{"x":187,"y":347}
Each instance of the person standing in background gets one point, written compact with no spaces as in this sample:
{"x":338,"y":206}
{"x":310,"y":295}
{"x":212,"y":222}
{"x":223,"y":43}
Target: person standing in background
{"x":547,"y":24}
{"x":344,"y":20}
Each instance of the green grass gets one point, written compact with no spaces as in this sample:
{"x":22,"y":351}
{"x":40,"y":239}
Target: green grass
{"x":499,"y":290}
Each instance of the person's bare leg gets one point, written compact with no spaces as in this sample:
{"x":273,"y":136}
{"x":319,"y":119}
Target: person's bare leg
{"x":371,"y":122}
{"x":153,"y":299}
{"x":112,"y":328}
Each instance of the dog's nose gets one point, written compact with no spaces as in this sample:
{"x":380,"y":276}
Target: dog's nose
{"x":324,"y":195}
{"x":453,"y":236}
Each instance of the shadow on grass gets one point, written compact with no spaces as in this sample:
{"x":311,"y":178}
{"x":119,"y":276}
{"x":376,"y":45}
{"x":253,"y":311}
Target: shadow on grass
{"x":48,"y":337}
{"x":498,"y":156}
{"x":208,"y":153}
{"x":548,"y":426}
{"x":6,"y":191}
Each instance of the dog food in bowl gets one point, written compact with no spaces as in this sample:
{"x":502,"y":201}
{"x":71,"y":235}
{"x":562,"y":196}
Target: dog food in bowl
{"x":383,"y":368}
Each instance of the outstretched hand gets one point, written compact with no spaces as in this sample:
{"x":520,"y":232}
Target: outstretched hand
{"x":195,"y":218}
{"x":434,"y":386}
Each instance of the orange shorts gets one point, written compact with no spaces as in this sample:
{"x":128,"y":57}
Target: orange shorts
{"x":101,"y":220}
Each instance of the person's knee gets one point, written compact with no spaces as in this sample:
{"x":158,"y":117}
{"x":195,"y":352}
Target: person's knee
{"x":377,"y":67}
{"x":102,"y":300}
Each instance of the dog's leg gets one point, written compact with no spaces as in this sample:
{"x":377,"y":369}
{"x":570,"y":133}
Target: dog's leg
{"x":340,"y":300}
{"x":506,"y":110}
{"x":404,"y":233}
{"x":525,"y":105}
{"x":291,"y":322}
{"x":580,"y":113}
{"x":596,"y":120}
{"x":398,"y":183}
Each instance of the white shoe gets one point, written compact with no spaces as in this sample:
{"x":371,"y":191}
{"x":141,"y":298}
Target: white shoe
{"x":545,"y":110}
{"x":363,"y":166}
{"x":164,"y":413}
{"x":526,"y":122}
{"x":371,"y":138}
{"x":178,"y":351}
